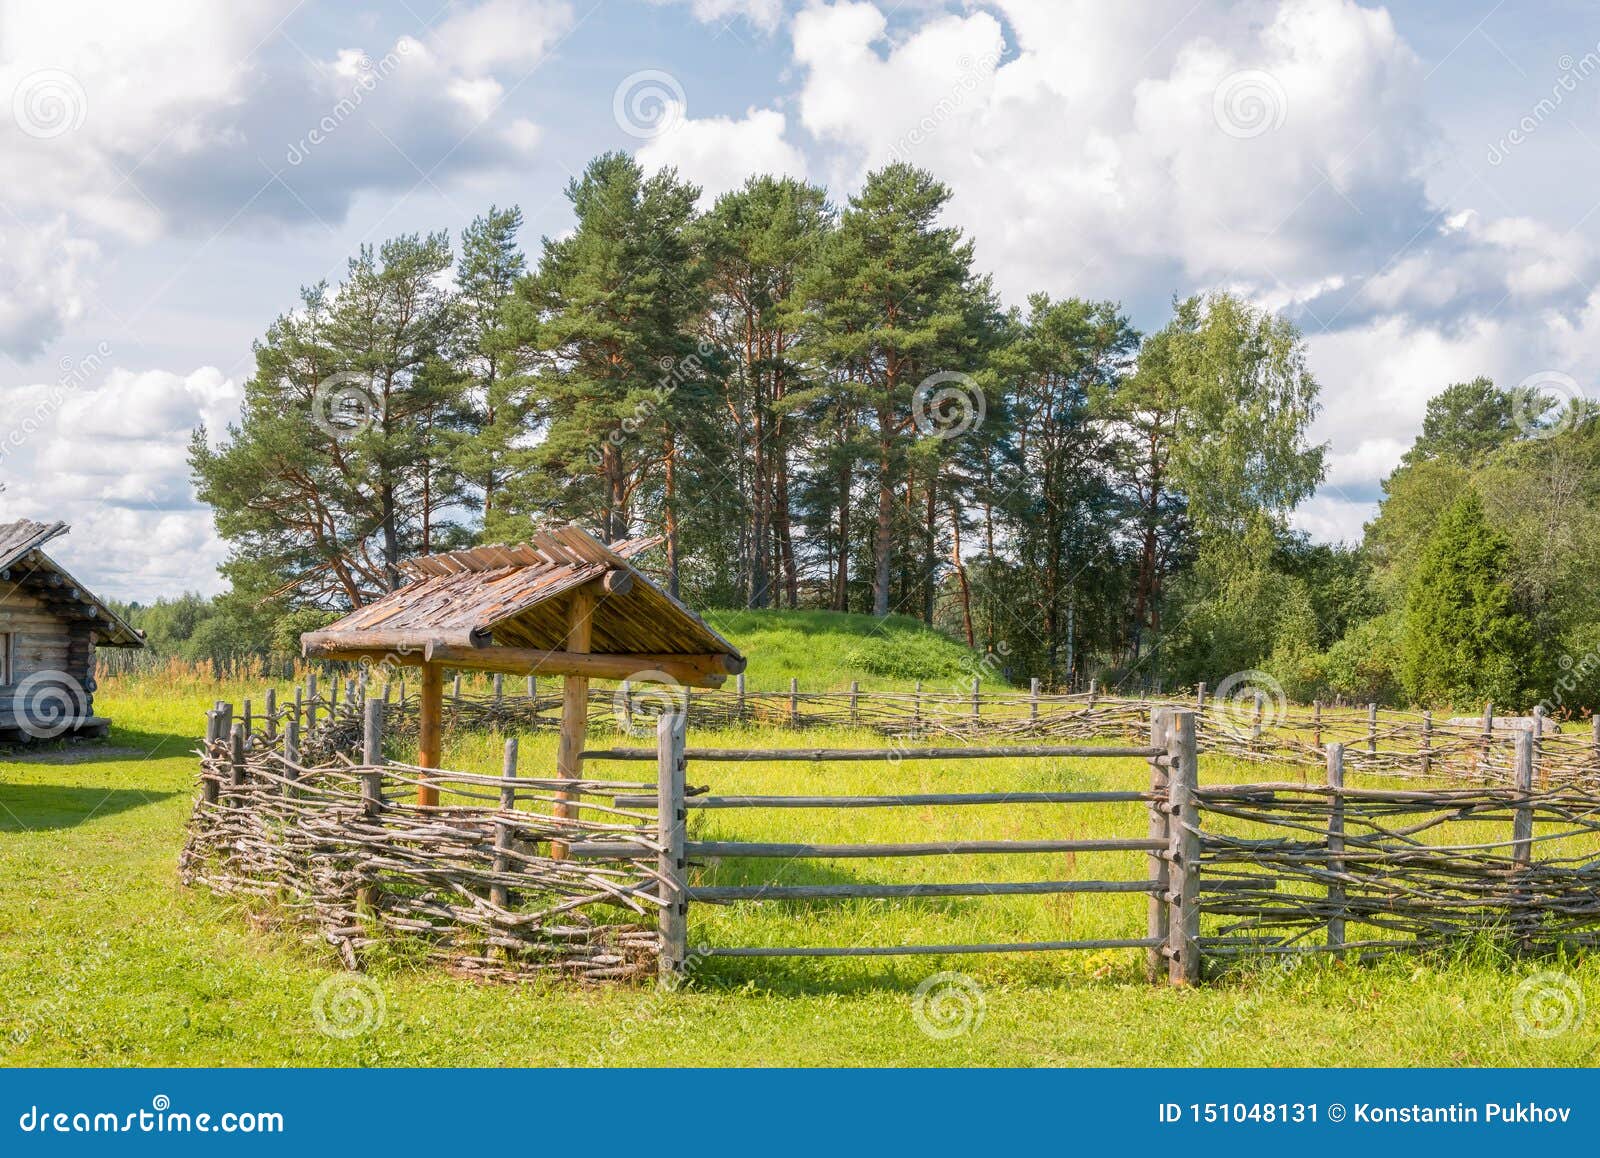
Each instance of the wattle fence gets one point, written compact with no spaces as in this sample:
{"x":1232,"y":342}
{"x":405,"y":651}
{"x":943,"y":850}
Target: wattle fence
{"x":307,"y":822}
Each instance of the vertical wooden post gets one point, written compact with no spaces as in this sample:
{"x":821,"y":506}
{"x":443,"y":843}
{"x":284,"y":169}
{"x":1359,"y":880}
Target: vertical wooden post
{"x":1157,"y":921}
{"x":1183,"y":942}
{"x":738,"y":685}
{"x":672,"y":817}
{"x":299,"y":704}
{"x":248,"y":717}
{"x":916,"y":712}
{"x":236,"y":765}
{"x":855,"y":702}
{"x":794,"y":702}
{"x":1594,"y":729}
{"x":499,"y":894}
{"x":627,"y":706}
{"x":977,"y":697}
{"x":1200,"y":697}
{"x":1256,"y":716}
{"x":372,"y":734}
{"x":430,"y":730}
{"x":311,"y":704}
{"x":1427,"y":742}
{"x":1336,"y":893}
{"x":1033,"y":698}
{"x":291,"y":754}
{"x":224,"y":720}
{"x":533,"y":702}
{"x":209,"y":788}
{"x":272,"y":714}
{"x":1316,"y":723}
{"x":1522,"y":819}
{"x":499,"y":689}
{"x":574,"y":704}
{"x":1092,"y":691}
{"x":371,"y":784}
{"x":1372,"y":729}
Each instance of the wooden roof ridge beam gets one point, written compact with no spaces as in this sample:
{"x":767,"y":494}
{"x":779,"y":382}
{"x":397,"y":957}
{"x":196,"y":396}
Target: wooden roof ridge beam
{"x":364,"y":644}
{"x":707,"y":670}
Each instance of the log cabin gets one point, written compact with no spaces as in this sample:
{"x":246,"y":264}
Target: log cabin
{"x":50,"y":625}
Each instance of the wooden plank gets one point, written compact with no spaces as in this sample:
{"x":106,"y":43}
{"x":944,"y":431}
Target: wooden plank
{"x":1522,"y":820}
{"x":720,"y":894}
{"x":768,"y":850}
{"x":904,"y":800}
{"x":816,"y":755}
{"x":929,"y":950}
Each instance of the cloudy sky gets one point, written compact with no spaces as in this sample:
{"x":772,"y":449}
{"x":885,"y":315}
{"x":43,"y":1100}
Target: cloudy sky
{"x":1418,"y":184}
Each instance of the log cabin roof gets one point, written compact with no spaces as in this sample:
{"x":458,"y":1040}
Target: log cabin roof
{"x":23,"y":565}
{"x":510,"y":596}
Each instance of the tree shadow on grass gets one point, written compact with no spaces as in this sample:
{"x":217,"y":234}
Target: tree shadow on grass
{"x":123,"y":746}
{"x":51,"y":807}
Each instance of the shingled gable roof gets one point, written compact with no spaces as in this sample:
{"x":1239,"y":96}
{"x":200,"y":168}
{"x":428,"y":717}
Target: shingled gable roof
{"x":20,"y":558}
{"x":509,"y":596}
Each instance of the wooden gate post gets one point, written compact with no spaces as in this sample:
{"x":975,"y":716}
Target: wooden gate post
{"x":672,"y":818}
{"x":574,"y":705}
{"x":1183,"y":818}
{"x":1522,"y":819}
{"x":1336,"y":893}
{"x":1160,"y":877}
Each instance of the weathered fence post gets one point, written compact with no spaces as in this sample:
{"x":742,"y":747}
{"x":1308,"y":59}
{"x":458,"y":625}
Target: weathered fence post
{"x":1522,"y":819}
{"x":672,"y":818}
{"x":533,"y":702}
{"x":738,"y":685}
{"x":1336,"y":894}
{"x":1427,"y":742}
{"x":1092,"y":692}
{"x":627,"y":706}
{"x":1594,"y":728}
{"x":371,"y":784}
{"x":794,"y":701}
{"x":291,"y":755}
{"x":916,"y":712}
{"x":1157,"y":925}
{"x":855,"y":702}
{"x":1256,"y":716}
{"x":977,"y":697}
{"x":1183,"y":819}
{"x":248,"y":716}
{"x":1316,"y":723}
{"x":1539,"y":773}
{"x":499,"y":894}
{"x":271,"y":702}
{"x":236,"y":765}
{"x":1200,"y":697}
{"x":208,"y":784}
{"x":311,"y":704}
{"x":1372,"y":729}
{"x":1033,"y":698}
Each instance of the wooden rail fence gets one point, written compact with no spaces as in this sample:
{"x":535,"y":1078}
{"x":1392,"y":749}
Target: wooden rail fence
{"x":303,"y":817}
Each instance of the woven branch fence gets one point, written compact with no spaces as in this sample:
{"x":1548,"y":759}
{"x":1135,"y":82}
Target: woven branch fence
{"x":1293,"y":868}
{"x":329,"y":840}
{"x":1404,"y":745}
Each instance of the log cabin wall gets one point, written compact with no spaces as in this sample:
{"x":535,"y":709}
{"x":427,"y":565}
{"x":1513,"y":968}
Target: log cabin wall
{"x":41,"y":640}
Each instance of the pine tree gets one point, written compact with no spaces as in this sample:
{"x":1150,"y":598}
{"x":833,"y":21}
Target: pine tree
{"x":1465,"y":638}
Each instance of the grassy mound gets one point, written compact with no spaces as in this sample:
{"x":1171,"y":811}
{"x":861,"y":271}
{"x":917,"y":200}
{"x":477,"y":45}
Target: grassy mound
{"x":825,"y":650}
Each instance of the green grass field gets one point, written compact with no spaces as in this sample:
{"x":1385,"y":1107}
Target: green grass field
{"x":106,"y":959}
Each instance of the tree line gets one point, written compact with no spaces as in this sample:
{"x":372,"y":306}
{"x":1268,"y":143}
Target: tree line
{"x":815,"y":405}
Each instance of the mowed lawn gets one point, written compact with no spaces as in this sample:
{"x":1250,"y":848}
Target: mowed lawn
{"x":106,"y":959}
